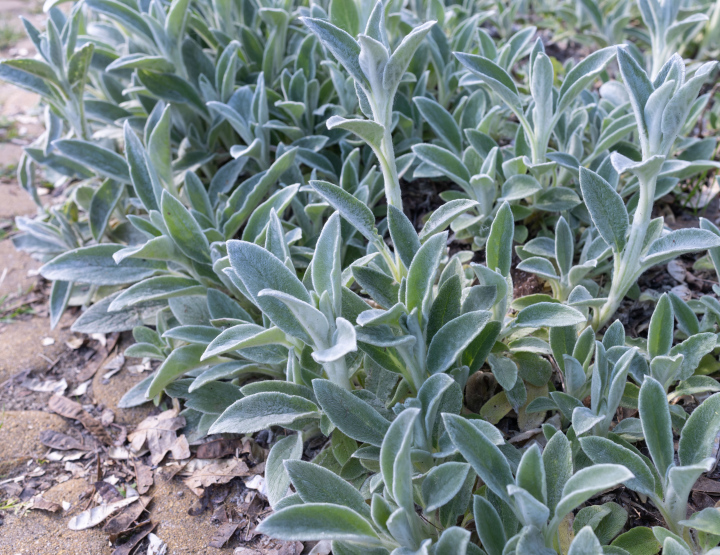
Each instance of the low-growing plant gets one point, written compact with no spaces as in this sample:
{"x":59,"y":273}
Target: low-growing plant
{"x":661,"y":108}
{"x":239,"y":187}
{"x":667,"y":483}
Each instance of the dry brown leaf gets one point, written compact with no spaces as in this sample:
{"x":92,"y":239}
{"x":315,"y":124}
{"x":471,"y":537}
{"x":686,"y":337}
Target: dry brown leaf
{"x":290,"y":548}
{"x":200,"y":476}
{"x":707,"y":485}
{"x":223,"y":534}
{"x":321,"y":548}
{"x":142,"y":531}
{"x":65,"y":407}
{"x":98,"y":358}
{"x":180,"y":450}
{"x":61,"y":442}
{"x":107,"y":492}
{"x":218,"y":449}
{"x":45,"y":386}
{"x":93,"y":517}
{"x":70,"y":409}
{"x":676,"y":269}
{"x":122,"y":521}
{"x":143,"y":477}
{"x":159,"y":432}
{"x":45,"y":505}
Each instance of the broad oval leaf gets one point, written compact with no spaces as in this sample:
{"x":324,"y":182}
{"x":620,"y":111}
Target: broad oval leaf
{"x":350,"y":414}
{"x":261,"y":410}
{"x":319,"y":521}
{"x":606,"y":208}
{"x":95,"y":265}
{"x":453,"y":338}
{"x":549,"y":315}
{"x":699,"y":435}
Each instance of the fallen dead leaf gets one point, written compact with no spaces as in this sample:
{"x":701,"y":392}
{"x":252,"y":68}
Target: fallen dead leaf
{"x":707,"y":485}
{"x":45,"y":505}
{"x":81,"y":390}
{"x":93,"y":517}
{"x":119,"y":453}
{"x":157,"y":546}
{"x":122,"y":521}
{"x":200,"y":476}
{"x":223,"y":534}
{"x":257,"y":483}
{"x":107,"y":417}
{"x":107,"y":345}
{"x":45,"y":386}
{"x":159,"y":432}
{"x":143,"y":477}
{"x":682,"y":291}
{"x":322,"y":548}
{"x":60,"y":441}
{"x":113,"y":366}
{"x":289,"y":548}
{"x":70,"y":409}
{"x":676,"y":269}
{"x":56,"y":456}
{"x":65,"y":407}
{"x":107,"y":491}
{"x":218,"y":449}
{"x":75,"y":342}
{"x":138,"y":536}
{"x":77,"y":470}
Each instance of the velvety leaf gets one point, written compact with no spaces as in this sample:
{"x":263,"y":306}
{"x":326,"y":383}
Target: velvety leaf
{"x":101,"y":160}
{"x":353,"y":416}
{"x":453,"y":338}
{"x":95,"y":265}
{"x":443,"y":483}
{"x":486,"y":459}
{"x":698,"y":436}
{"x":606,"y":208}
{"x":350,"y":208}
{"x":184,"y":229}
{"x":656,"y":424}
{"x":499,"y":246}
{"x":318,"y":521}
{"x":262,"y":410}
{"x":276,"y":477}
{"x":421,"y":273}
{"x":588,"y":482}
{"x":549,"y":315}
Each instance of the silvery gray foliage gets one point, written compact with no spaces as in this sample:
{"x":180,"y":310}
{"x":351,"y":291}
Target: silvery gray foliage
{"x":377,"y":72}
{"x":666,"y":482}
{"x":667,"y":30}
{"x":661,"y":107}
{"x":233,"y":198}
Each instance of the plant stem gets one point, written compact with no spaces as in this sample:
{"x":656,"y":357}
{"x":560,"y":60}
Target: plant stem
{"x":337,"y":372}
{"x":389,"y":170}
{"x":627,"y":266}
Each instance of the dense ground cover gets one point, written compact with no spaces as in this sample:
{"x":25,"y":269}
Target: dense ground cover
{"x":242,"y":184}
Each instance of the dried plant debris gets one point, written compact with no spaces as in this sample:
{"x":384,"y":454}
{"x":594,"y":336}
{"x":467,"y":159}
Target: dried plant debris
{"x":62,"y":442}
{"x":92,"y":517}
{"x":41,"y":504}
{"x":159,"y":433}
{"x":71,"y":409}
{"x":138,"y":534}
{"x":199,"y":474}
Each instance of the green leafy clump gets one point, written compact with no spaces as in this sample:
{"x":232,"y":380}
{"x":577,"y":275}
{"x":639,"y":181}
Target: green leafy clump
{"x":239,"y":181}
